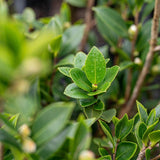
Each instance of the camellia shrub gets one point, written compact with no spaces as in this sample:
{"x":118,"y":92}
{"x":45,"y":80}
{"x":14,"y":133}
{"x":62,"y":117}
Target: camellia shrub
{"x":81,"y":90}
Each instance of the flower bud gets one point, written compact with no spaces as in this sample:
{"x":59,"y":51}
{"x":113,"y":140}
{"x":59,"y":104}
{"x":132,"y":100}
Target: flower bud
{"x":135,"y":53}
{"x":137,"y":61}
{"x":24,"y":130}
{"x":86,"y":155}
{"x":94,"y":87}
{"x":132,"y":30}
{"x":28,"y":145}
{"x":67,"y":25}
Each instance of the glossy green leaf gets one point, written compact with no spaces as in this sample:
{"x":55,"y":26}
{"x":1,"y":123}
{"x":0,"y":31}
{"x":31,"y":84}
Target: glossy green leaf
{"x":148,"y":154}
{"x":108,"y":115}
{"x":79,"y":60}
{"x":142,"y":112}
{"x":87,"y":102}
{"x":108,"y":157}
{"x":110,"y":24}
{"x":102,"y":89}
{"x":71,"y":39}
{"x":125,"y":150}
{"x":75,"y":92}
{"x":95,"y":66}
{"x":139,"y":132}
{"x":8,"y":139}
{"x":80,"y":79}
{"x":107,"y":131}
{"x":50,"y":121}
{"x":65,"y":71}
{"x":123,"y":127}
{"x":154,"y":137}
{"x":98,"y":105}
{"x":152,"y":117}
{"x":146,"y":133}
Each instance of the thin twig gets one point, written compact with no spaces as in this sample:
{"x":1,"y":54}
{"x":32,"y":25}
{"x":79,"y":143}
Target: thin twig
{"x":156,"y":158}
{"x":89,"y":23}
{"x":157,"y":48}
{"x":114,"y":155}
{"x":142,"y":152}
{"x":129,"y":76}
{"x":146,"y":67}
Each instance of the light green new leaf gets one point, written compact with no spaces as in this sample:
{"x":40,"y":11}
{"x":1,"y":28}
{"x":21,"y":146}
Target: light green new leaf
{"x":65,"y":13}
{"x":50,"y":121}
{"x":125,"y":150}
{"x":95,"y":66}
{"x":123,"y":127}
{"x":75,"y":92}
{"x":102,"y":89}
{"x":142,"y":112}
{"x":154,"y":137}
{"x":79,"y":60}
{"x":8,"y":139}
{"x":107,"y":131}
{"x":108,"y":115}
{"x":80,"y":79}
{"x":65,"y":71}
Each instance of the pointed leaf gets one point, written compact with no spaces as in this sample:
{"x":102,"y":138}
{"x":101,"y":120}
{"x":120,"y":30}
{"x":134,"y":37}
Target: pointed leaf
{"x":74,"y":92}
{"x":99,"y":105}
{"x":108,"y":115}
{"x":87,"y":102}
{"x":92,"y":113}
{"x":95,"y":66}
{"x":152,"y":117}
{"x":102,"y":151}
{"x":80,"y":79}
{"x":65,"y":71}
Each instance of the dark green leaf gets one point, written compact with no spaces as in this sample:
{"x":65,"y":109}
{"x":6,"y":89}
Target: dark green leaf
{"x":80,"y":79}
{"x":50,"y":121}
{"x":74,"y":92}
{"x":92,"y":113}
{"x":108,"y":115}
{"x":142,"y":112}
{"x":87,"y":102}
{"x":98,"y":105}
{"x":102,"y":151}
{"x":154,"y":137}
{"x":123,"y":127}
{"x":95,"y":66}
{"x":108,"y":157}
{"x":125,"y":150}
{"x":148,"y":154}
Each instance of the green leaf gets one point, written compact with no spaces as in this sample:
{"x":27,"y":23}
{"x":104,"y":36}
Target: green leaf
{"x":149,"y":129}
{"x":102,"y":89}
{"x":123,"y":127}
{"x":108,"y":115}
{"x":108,"y":157}
{"x":53,"y":145}
{"x":115,"y":120}
{"x":81,"y":3}
{"x":98,"y":105}
{"x":152,"y":117}
{"x":125,"y":65}
{"x":148,"y":154}
{"x":95,"y":66}
{"x":65,"y":13}
{"x":139,"y":132}
{"x":65,"y":71}
{"x":111,"y":74}
{"x":74,"y":92}
{"x":50,"y":121}
{"x":125,"y":150}
{"x":110,"y":24}
{"x":139,"y":3}
{"x":154,"y":137}
{"x":92,"y":113}
{"x":142,"y":112}
{"x":71,"y":39}
{"x":87,"y":102}
{"x":102,"y":151}
{"x":157,"y":111}
{"x":8,"y":139}
{"x":79,"y":60}
{"x":80,"y":79}
{"x":107,"y":131}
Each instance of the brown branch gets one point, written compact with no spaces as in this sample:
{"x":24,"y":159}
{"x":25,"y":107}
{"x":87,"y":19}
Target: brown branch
{"x":142,"y":152}
{"x":157,"y":48}
{"x":89,"y":23}
{"x":1,"y":151}
{"x":129,"y":77}
{"x":146,"y":67}
{"x":156,"y":158}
